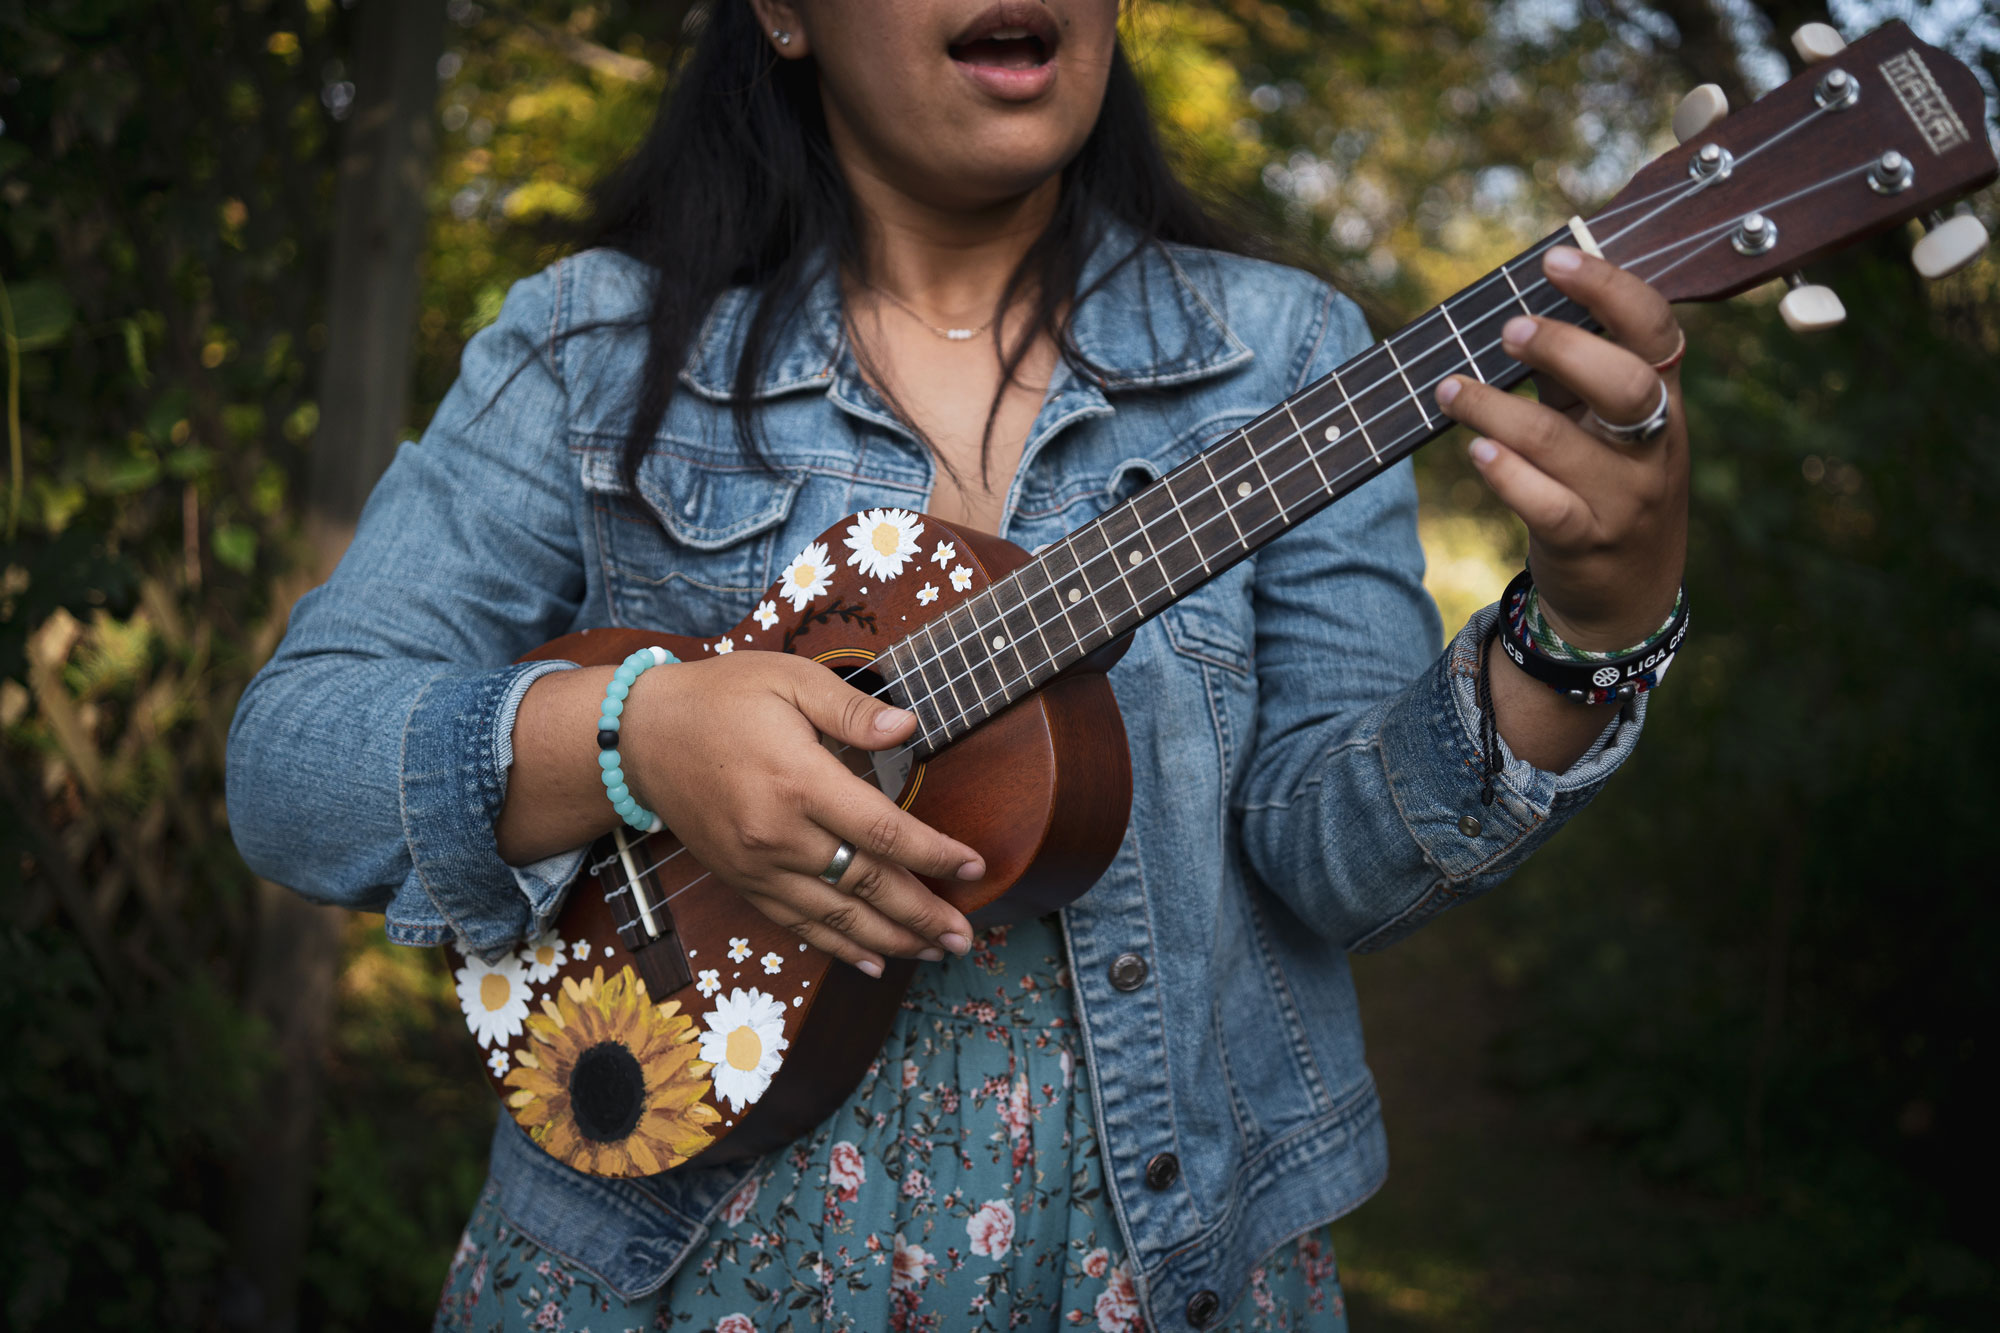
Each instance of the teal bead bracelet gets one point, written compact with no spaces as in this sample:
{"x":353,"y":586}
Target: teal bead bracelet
{"x":608,"y":758}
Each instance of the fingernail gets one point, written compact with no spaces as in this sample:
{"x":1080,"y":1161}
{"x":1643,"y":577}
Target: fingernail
{"x":972,"y":870}
{"x":1482,"y":450}
{"x":871,"y":967}
{"x":891,"y":718}
{"x":1447,"y":391}
{"x":955,"y":942}
{"x":932,"y":955}
{"x":1519,"y":331}
{"x":1562,"y":259}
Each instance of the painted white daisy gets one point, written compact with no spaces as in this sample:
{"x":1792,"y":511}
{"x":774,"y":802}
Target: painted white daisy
{"x":728,"y":645}
{"x":739,"y":948}
{"x":542,"y":957}
{"x":499,"y":1063}
{"x":766,"y":614}
{"x":806,"y":577}
{"x":961,"y":579}
{"x":883,"y":540}
{"x":927,"y":594}
{"x":494,"y":998}
{"x":746,"y":1033}
{"x":708,"y":982}
{"x":582,"y":950}
{"x":945,"y":553}
{"x":771,"y":964}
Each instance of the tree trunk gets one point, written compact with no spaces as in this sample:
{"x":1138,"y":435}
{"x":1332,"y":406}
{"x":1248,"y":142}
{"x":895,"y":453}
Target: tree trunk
{"x":379,"y":221}
{"x":378,"y":239}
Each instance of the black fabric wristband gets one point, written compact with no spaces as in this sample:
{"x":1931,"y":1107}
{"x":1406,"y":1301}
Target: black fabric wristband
{"x":1617,"y":678}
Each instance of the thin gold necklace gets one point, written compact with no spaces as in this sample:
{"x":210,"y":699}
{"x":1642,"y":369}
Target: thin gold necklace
{"x":949,"y":335}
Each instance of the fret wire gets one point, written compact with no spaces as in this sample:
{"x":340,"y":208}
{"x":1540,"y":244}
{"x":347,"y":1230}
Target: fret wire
{"x":1133,"y":561}
{"x":1091,"y":590}
{"x":967,"y":629}
{"x":1173,"y":498}
{"x":1005,"y":639}
{"x":1312,"y":454}
{"x":1444,"y":308}
{"x":1063,"y":602}
{"x":1165,"y":573}
{"x":1217,"y":487}
{"x":895,"y":659}
{"x":1255,"y":458}
{"x":1014,"y":635}
{"x":1389,"y":346}
{"x":1028,"y":602}
{"x":949,"y":680}
{"x":1517,"y":290}
{"x":1359,"y":425}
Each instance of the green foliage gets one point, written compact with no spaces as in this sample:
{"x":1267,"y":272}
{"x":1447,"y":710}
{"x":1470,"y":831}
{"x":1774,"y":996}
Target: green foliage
{"x":1754,"y":974}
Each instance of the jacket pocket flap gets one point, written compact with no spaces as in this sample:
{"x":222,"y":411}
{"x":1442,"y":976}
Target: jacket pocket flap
{"x":702,"y":506}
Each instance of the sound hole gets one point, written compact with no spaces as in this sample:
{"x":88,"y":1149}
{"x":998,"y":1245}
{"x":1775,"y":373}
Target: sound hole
{"x":607,"y":1091}
{"x":888,"y":769}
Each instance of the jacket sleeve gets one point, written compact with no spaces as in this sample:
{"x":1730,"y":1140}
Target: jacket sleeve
{"x":1361,"y":806}
{"x":368,"y":759}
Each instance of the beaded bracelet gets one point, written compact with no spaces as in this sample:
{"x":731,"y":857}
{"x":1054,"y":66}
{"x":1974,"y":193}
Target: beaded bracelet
{"x":608,"y":758}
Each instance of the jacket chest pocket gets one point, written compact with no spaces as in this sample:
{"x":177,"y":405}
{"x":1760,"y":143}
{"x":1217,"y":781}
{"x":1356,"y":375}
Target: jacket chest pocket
{"x":691,"y":551}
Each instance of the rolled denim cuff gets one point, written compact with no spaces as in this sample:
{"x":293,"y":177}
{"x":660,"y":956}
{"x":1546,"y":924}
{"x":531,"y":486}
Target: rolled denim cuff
{"x":457,"y":747}
{"x":1431,"y":747}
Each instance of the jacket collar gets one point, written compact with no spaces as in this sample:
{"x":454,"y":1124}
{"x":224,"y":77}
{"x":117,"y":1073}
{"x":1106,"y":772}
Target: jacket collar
{"x":1151,"y":319}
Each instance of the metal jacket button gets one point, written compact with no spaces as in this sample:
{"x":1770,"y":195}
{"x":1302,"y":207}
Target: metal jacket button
{"x":1202,"y":1307}
{"x":1468,"y":825}
{"x":1128,"y":971}
{"x":1162,"y":1171}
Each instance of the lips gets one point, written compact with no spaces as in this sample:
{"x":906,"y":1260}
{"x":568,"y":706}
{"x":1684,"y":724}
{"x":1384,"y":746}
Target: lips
{"x":1009,"y":49}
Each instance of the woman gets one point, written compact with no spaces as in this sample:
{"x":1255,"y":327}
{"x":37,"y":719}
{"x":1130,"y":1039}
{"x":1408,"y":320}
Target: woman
{"x":926,"y":255}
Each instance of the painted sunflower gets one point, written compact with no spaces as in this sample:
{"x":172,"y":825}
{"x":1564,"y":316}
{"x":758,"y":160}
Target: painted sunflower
{"x":612,"y":1083}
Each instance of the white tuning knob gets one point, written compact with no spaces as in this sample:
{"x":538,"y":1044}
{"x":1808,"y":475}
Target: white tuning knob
{"x":1699,"y":110}
{"x":1949,"y":246}
{"x":1808,"y":309}
{"x":1816,"y":42}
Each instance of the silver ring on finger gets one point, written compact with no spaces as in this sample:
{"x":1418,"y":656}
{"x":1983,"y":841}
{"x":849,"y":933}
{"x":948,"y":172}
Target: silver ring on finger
{"x":843,"y":857}
{"x":1639,"y":432}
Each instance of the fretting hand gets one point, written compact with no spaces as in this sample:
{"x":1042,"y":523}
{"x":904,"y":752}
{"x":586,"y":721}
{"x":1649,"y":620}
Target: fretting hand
{"x":1607,"y":522}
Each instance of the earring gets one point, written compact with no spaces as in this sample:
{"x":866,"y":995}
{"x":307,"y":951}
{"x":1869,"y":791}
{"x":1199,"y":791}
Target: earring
{"x":784,"y":38}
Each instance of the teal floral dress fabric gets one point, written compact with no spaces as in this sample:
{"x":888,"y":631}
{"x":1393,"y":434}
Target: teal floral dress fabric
{"x":958,"y":1188}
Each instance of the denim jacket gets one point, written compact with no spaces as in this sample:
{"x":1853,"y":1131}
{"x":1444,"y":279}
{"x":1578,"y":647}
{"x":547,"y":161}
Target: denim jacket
{"x":1305,"y":757}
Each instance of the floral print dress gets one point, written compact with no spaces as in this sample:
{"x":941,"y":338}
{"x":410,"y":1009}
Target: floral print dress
{"x":958,"y":1188}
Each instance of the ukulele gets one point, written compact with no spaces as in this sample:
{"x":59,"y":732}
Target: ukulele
{"x":663,"y":1020}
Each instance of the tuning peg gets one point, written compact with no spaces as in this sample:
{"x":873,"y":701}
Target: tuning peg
{"x":1699,"y":110}
{"x":1807,"y":308}
{"x":1948,"y":245}
{"x":1816,"y":42}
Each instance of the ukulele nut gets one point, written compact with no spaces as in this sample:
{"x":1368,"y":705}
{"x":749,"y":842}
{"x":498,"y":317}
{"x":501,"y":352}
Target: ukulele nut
{"x":1891,"y":174}
{"x":1838,"y":91}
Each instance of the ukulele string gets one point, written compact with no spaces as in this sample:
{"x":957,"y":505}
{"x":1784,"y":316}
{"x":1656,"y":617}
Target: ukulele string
{"x":1699,"y":240}
{"x":1685,"y":191}
{"x":1710,"y":235}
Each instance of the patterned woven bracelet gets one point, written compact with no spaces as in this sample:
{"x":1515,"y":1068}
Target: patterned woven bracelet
{"x":608,"y":758}
{"x":1597,"y":679}
{"x":1543,"y":635}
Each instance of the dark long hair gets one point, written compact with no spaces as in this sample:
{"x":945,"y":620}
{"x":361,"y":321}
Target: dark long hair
{"x":737,"y":185}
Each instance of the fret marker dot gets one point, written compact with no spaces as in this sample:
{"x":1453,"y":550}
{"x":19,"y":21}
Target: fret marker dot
{"x":1243,"y":488}
{"x":1133,"y":558}
{"x":998,"y":643}
{"x":1333,"y":432}
{"x":1076,"y":594}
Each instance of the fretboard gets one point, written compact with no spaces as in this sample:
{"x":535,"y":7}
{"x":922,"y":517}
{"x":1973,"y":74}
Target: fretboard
{"x":1119,"y":570}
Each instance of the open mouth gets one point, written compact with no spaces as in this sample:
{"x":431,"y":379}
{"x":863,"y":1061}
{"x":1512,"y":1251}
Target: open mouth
{"x":1010,"y":36}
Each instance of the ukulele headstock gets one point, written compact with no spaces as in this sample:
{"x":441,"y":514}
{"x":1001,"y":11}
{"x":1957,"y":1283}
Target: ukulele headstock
{"x":1869,"y":136}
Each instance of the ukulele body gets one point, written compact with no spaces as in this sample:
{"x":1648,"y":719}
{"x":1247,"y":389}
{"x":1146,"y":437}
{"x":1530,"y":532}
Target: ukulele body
{"x":663,"y":1019}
